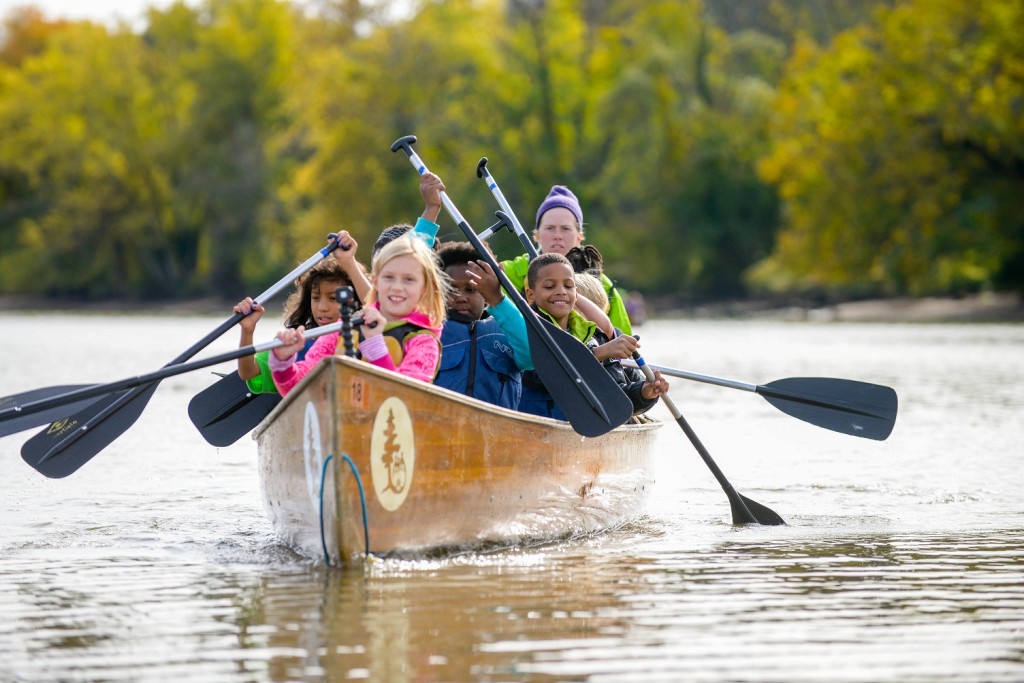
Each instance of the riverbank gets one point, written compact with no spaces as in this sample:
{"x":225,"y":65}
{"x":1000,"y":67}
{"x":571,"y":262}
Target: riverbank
{"x":1002,"y":307}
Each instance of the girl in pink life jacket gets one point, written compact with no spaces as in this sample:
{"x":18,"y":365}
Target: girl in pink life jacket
{"x":406,"y":309}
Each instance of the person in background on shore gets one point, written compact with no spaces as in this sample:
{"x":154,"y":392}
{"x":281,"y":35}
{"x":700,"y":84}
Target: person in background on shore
{"x":402,"y":320}
{"x":636,"y":307}
{"x":551,"y":291}
{"x":557,"y":229}
{"x":484,"y":342}
{"x":311,"y":304}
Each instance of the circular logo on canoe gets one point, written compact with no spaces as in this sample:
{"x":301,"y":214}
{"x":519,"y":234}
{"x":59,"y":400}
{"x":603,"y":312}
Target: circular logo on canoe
{"x":313,"y":454}
{"x":392,"y":453}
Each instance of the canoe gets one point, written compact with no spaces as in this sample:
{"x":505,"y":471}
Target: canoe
{"x":357,"y":460}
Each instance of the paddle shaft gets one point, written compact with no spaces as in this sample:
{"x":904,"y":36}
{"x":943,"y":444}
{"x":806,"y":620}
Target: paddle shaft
{"x":843,"y":405}
{"x":172,"y":370}
{"x":707,"y":379}
{"x":492,"y":185}
{"x":741,"y":512}
{"x":759,"y":389}
{"x":265,"y":296}
{"x":16,"y":423}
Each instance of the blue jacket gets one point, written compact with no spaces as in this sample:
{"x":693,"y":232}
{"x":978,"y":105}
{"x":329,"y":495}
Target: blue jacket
{"x":477,"y":360}
{"x":535,"y":399}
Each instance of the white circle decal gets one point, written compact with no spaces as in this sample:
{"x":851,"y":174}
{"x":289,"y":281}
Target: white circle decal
{"x":313,"y":453}
{"x":392,"y":453}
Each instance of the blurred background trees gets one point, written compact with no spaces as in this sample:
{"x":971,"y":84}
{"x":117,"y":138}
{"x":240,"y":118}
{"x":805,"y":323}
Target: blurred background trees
{"x":720,"y":148}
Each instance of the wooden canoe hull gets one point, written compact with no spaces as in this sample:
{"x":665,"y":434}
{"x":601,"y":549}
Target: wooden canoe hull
{"x":437,"y":470}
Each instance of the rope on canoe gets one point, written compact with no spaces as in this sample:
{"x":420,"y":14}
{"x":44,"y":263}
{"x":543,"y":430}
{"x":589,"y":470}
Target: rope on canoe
{"x":362,"y":501}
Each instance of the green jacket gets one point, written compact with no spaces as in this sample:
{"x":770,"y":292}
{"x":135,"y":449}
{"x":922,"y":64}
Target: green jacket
{"x":516,"y":271}
{"x":579,"y":327}
{"x":262,"y":383}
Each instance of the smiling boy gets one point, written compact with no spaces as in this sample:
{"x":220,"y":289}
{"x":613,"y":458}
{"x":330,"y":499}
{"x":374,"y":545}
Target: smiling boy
{"x":551,"y":291}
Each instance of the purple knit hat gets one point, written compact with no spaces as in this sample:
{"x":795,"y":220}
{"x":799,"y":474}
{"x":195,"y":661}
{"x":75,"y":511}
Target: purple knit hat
{"x":562,"y":196}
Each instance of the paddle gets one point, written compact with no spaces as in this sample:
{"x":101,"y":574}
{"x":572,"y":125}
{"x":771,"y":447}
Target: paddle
{"x":842,"y":405}
{"x":744,"y":510}
{"x":57,"y":467}
{"x":77,"y":438}
{"x":227,"y":410}
{"x":587,"y":395}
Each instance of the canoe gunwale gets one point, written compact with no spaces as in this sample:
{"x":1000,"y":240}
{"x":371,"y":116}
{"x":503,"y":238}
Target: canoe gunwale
{"x":477,"y":404}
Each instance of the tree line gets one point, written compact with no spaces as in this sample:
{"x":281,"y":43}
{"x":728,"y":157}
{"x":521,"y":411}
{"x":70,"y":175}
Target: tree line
{"x":723,"y":148}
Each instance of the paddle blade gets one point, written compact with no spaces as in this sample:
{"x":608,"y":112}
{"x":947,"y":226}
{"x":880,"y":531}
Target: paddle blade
{"x":613,"y":406}
{"x":226,"y":411}
{"x":15,"y":424}
{"x":67,"y":444}
{"x":747,"y":511}
{"x":842,"y":405}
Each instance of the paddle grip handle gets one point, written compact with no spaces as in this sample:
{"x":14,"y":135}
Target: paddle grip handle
{"x":334,"y":236}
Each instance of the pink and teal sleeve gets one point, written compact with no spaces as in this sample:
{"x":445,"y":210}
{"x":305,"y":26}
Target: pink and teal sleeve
{"x":422,"y":355}
{"x":288,"y":372}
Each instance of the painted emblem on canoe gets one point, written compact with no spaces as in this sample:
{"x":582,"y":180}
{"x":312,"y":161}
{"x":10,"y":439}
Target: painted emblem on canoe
{"x":392,"y":453}
{"x":313,"y":454}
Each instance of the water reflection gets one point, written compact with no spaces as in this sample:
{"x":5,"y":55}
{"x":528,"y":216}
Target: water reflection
{"x":735,"y":608}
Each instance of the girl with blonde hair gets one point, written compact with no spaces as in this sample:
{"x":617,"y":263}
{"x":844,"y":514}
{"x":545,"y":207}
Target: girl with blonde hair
{"x":402,"y":320}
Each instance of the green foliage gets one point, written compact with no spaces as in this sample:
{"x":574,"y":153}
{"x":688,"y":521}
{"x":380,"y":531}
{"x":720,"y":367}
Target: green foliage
{"x":98,"y":195}
{"x":841,"y":146}
{"x":898,"y":154}
{"x":147,"y":149}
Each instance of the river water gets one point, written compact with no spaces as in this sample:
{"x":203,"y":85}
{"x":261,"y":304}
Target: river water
{"x":903,"y":560}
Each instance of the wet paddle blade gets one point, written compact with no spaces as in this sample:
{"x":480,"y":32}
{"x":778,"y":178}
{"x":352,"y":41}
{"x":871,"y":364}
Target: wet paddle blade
{"x":758,"y":514}
{"x":14,"y":425}
{"x":569,"y":394}
{"x":69,"y":443}
{"x":841,"y":405}
{"x":226,"y":411}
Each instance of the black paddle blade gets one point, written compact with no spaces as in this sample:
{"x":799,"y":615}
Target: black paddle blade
{"x":226,"y":411}
{"x":747,"y":511}
{"x":66,"y":445}
{"x":842,"y":405}
{"x":15,"y":424}
{"x":571,"y":395}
